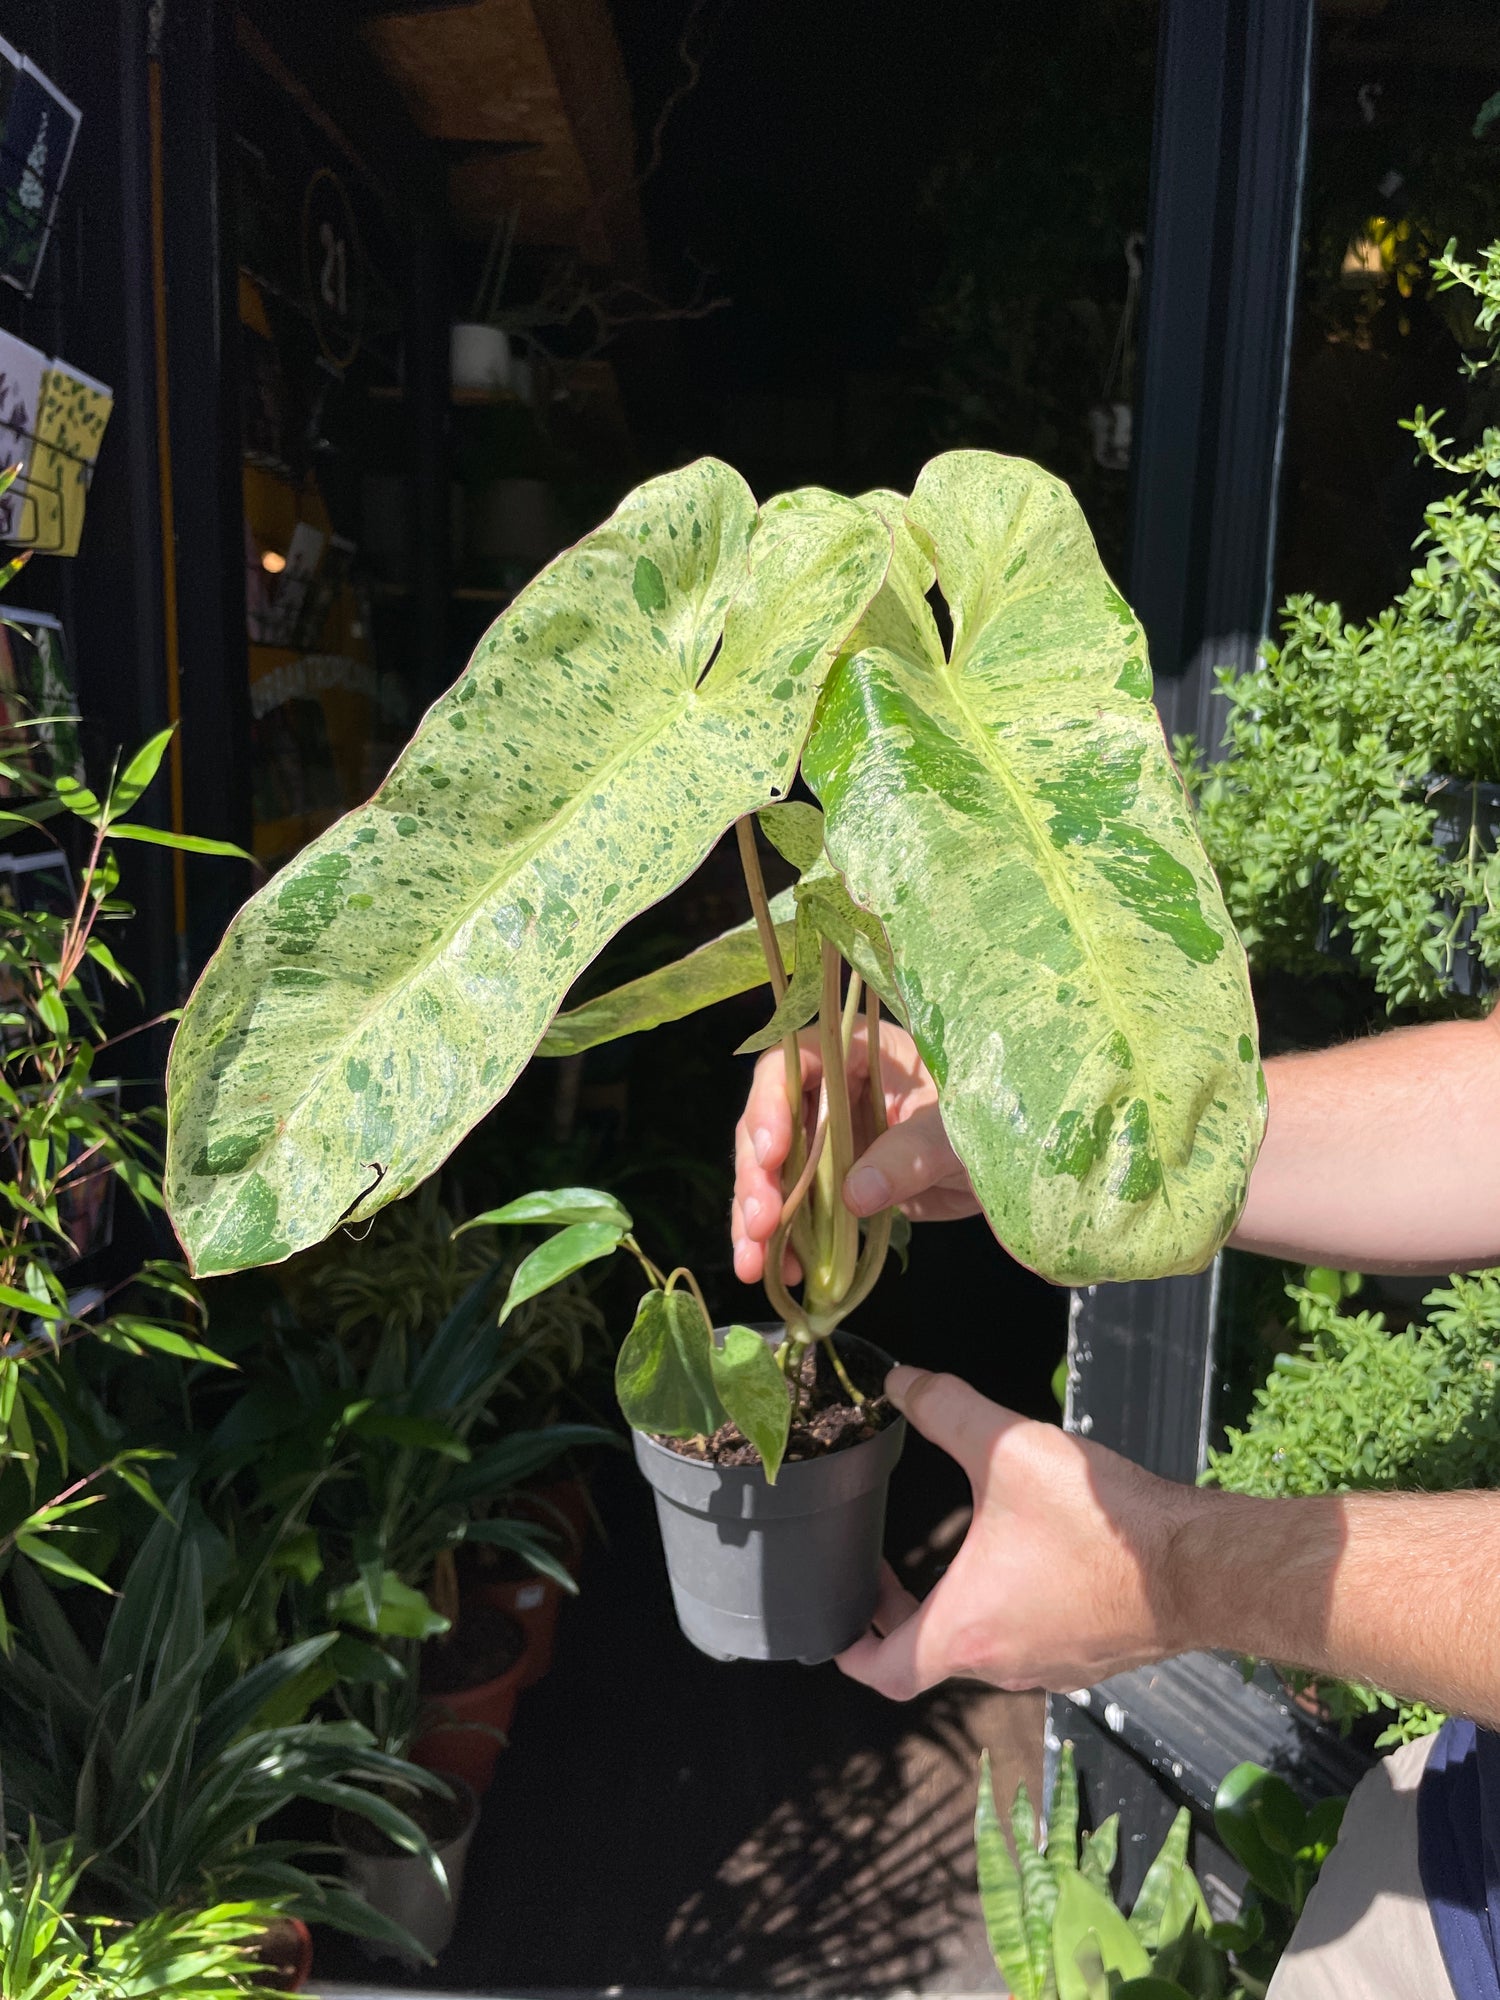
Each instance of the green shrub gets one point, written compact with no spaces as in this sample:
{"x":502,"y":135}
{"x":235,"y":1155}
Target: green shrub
{"x":1321,"y":819}
{"x":1362,"y":1409}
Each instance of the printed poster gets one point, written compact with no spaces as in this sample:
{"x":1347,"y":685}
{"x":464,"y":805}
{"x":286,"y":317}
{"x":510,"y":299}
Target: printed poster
{"x":38,"y":127}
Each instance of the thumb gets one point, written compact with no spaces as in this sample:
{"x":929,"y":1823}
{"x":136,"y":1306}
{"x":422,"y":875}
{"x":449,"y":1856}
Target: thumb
{"x":955,"y":1417}
{"x":902,"y":1163}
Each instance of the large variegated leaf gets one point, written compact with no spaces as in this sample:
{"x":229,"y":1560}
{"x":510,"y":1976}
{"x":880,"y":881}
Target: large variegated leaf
{"x":376,"y":998}
{"x":728,"y":965}
{"x":1011,"y":816}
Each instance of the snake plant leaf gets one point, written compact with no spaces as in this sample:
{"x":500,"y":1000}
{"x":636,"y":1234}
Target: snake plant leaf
{"x":1097,"y":1852}
{"x":376,"y":998}
{"x":1002,"y":1900}
{"x":664,"y":1371}
{"x":1086,"y":1927}
{"x":1011,"y":816}
{"x":754,"y":1393}
{"x":1062,"y":1814}
{"x":723,"y":968}
{"x":1169,"y":1901}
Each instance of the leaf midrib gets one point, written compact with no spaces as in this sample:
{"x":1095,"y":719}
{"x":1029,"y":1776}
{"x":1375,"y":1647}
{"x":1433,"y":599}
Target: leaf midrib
{"x":668,"y":719}
{"x":1058,"y":884}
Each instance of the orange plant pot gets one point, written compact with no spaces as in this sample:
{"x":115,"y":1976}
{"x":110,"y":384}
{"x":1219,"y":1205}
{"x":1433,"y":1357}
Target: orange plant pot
{"x":534,"y":1602}
{"x":467,"y":1725}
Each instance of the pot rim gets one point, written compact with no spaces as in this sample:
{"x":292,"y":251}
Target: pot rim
{"x":652,"y":1439}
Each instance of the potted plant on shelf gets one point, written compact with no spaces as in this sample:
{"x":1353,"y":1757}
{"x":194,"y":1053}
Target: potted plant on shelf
{"x":361,"y":1460}
{"x":1006,"y":861}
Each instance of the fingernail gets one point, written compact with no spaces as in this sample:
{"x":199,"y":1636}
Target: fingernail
{"x":760,"y":1141}
{"x":750,"y":1209}
{"x":866,"y":1190}
{"x":900,"y":1383}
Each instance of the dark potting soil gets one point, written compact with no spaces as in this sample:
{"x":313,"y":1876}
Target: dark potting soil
{"x":826,"y":1422}
{"x":485,"y":1643}
{"x":442,"y":1816}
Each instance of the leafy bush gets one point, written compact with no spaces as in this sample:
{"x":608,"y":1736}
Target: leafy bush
{"x":1321,"y":819}
{"x":1362,"y":1409}
{"x":47,"y":1955}
{"x":139,"y":1743}
{"x":68,"y":1137}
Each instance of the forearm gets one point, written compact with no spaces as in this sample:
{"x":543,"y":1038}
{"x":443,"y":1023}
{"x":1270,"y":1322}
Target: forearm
{"x":1397,"y":1590}
{"x":1384,"y":1154}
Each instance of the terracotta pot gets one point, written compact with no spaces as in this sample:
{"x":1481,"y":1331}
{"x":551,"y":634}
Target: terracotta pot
{"x":534,"y":1602}
{"x":285,"y":1950}
{"x":563,"y":1506}
{"x":467,"y":1723}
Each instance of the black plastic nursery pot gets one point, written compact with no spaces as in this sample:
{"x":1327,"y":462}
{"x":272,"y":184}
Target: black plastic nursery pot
{"x":783,"y":1572}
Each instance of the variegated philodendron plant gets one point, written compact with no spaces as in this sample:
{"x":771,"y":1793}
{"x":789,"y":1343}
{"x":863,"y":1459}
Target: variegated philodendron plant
{"x":1004,"y":859}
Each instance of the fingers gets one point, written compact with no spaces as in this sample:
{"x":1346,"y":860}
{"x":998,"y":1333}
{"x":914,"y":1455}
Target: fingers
{"x":903,"y":1164}
{"x":755,"y":1212}
{"x":767,"y":1121}
{"x":899,"y":1665}
{"x":955,"y":1417}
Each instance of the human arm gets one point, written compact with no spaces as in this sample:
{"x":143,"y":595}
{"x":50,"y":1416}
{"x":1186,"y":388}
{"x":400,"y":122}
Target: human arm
{"x":1383,"y":1154}
{"x":1079,"y":1564}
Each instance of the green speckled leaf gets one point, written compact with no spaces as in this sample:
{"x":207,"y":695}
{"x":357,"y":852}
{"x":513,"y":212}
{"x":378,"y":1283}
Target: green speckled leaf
{"x":1012,"y":818}
{"x":664,"y":1371}
{"x":804,"y":990}
{"x":383,"y":992}
{"x":754,"y":1393}
{"x":558,"y":1258}
{"x":795,"y":830}
{"x":719,"y":970}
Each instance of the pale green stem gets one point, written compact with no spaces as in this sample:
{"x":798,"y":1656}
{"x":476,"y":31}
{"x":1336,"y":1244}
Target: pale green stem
{"x":791,"y":1053}
{"x":843,"y":1374}
{"x":851,"y":1010}
{"x":658,"y":1282}
{"x":691,"y":1282}
{"x":878,"y":1230}
{"x":836,"y":1228}
{"x":782,"y":1303}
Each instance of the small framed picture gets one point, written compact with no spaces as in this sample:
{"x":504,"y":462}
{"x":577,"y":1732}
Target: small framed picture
{"x":38,"y":128}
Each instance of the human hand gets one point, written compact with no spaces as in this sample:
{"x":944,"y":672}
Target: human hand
{"x":1065,"y":1575}
{"x":911,"y":1165}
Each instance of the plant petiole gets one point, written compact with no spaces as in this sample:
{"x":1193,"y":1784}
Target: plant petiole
{"x":842,"y":1372}
{"x":691,"y":1282}
{"x":652,"y":1271}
